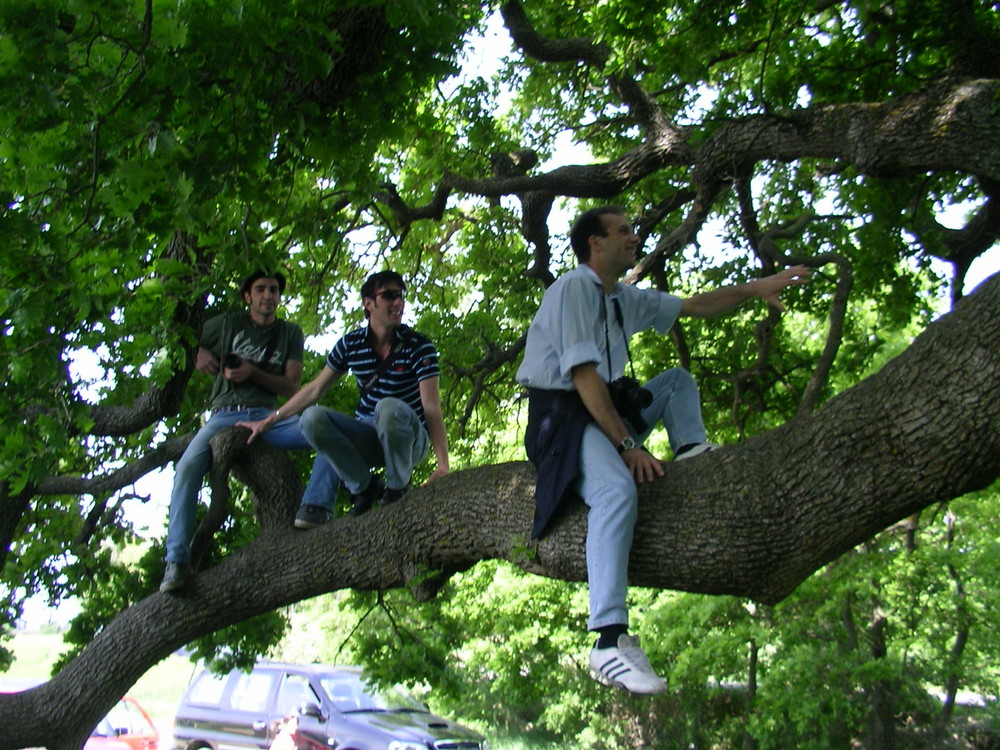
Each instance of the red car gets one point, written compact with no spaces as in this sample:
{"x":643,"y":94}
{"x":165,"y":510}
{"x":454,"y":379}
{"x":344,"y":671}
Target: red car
{"x":126,"y":727}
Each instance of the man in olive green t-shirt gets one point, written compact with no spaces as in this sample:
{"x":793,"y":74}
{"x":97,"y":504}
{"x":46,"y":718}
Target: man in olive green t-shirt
{"x":254,"y":358}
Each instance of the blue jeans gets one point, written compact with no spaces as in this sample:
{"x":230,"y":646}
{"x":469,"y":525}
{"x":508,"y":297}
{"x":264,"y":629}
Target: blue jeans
{"x":396,"y":439}
{"x":610,"y":492}
{"x":194,"y":464}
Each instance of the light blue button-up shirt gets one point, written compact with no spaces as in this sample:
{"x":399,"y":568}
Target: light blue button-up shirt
{"x":569,"y":328}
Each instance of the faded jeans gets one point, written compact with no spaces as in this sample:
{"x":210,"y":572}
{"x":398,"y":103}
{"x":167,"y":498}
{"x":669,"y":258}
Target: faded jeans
{"x":610,"y":492}
{"x":395,"y":438}
{"x":197,"y":459}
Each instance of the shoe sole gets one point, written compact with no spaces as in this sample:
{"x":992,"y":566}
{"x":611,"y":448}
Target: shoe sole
{"x":169,"y":588}
{"x":307,"y":524}
{"x":605,"y":680}
{"x":701,"y":450}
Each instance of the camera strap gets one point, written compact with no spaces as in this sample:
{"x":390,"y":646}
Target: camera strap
{"x":272,"y":341}
{"x":620,"y":319}
{"x":394,"y":352}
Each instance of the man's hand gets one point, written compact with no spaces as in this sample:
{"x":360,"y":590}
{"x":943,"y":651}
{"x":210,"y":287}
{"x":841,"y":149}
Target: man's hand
{"x":642,"y":465}
{"x":206,"y":362}
{"x":259,"y":427}
{"x":439,"y":472}
{"x":769,"y":288}
{"x":238,"y":374}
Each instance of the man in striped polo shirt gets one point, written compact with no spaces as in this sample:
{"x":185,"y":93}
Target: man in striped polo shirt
{"x":398,"y":416}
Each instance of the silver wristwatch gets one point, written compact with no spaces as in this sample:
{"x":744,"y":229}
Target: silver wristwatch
{"x":627,"y":443}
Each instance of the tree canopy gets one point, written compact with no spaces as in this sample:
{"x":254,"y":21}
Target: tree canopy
{"x":153,"y":153}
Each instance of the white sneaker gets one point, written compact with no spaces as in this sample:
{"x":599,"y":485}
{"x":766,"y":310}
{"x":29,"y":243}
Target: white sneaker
{"x":626,"y":666}
{"x":696,"y":450}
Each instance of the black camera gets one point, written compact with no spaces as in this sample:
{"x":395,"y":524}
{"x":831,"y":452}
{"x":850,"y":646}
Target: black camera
{"x":232,"y":361}
{"x":630,"y":399}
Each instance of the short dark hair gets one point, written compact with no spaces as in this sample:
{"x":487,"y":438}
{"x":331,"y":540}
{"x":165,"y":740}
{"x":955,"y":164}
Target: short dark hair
{"x":378,"y":280}
{"x":261,"y":273}
{"x":587,"y":225}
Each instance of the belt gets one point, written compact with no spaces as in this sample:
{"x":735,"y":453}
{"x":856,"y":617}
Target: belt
{"x":236,"y":407}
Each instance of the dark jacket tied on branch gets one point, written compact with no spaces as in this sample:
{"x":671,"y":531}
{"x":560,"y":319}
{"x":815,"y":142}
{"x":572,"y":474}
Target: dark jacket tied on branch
{"x":556,"y":420}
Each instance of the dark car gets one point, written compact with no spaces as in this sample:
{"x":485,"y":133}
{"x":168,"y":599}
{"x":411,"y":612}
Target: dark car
{"x":333,"y":708}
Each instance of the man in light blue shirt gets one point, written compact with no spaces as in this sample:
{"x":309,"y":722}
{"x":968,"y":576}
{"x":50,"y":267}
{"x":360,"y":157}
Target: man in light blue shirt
{"x":579,"y":441}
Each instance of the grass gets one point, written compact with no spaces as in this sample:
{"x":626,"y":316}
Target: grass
{"x":516,"y":743}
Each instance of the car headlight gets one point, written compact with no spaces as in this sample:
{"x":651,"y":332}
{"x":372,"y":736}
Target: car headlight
{"x":400,"y":745}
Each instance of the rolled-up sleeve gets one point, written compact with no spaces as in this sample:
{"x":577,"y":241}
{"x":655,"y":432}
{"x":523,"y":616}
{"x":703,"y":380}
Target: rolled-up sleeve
{"x":579,"y":354}
{"x":648,"y":308}
{"x":562,"y":334}
{"x":580,"y":301}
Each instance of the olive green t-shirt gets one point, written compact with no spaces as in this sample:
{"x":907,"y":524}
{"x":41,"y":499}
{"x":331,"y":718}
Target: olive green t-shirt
{"x":237,"y":333}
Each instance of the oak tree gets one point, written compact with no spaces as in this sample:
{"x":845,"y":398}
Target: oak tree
{"x":152,"y":153}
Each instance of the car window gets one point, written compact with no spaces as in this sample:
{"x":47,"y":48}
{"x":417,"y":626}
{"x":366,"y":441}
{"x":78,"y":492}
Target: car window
{"x":126,"y":725}
{"x":117,"y":721}
{"x":104,"y":729}
{"x":139,"y":723}
{"x":252,"y":691}
{"x":346,"y":693}
{"x":294,"y":691}
{"x":349,"y":692}
{"x":207,"y":689}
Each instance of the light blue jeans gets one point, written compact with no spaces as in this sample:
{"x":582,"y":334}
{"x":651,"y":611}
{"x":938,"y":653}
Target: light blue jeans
{"x":395,"y":439}
{"x":610,"y":492}
{"x":197,"y":459}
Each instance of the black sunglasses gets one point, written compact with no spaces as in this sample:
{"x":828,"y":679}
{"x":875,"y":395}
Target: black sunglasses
{"x":392,"y":294}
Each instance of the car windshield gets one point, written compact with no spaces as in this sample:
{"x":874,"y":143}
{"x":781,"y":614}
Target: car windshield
{"x":350,"y":693}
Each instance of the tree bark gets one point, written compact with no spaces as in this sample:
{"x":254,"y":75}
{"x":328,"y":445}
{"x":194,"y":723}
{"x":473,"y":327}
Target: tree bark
{"x":751,"y":520}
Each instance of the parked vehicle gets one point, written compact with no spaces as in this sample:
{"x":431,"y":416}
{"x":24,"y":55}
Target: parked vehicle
{"x":127,"y":726}
{"x":325,"y":707}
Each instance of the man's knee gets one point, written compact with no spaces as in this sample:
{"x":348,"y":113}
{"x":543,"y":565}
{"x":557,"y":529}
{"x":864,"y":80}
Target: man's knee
{"x":684,"y":377}
{"x":610,"y":487}
{"x":625,"y":495}
{"x":392,"y":413}
{"x":676,"y":377}
{"x":194,"y":462}
{"x":311,"y":420}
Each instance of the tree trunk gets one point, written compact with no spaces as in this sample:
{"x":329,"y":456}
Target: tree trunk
{"x":883,"y":693}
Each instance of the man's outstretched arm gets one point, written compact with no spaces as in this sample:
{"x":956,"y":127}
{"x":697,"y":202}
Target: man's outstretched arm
{"x":726,"y":298}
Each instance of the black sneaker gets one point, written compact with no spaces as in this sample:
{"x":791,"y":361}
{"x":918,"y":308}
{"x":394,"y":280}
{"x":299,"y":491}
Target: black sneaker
{"x":365,"y":499}
{"x":392,"y":495}
{"x":176,"y":576}
{"x":311,"y":516}
{"x":694,"y":449}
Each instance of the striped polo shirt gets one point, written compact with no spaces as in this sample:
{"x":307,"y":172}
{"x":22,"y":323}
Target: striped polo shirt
{"x":416,"y":359}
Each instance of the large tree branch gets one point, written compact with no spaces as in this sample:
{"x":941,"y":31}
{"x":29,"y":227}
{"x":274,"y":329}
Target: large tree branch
{"x":936,"y":128}
{"x":104,"y":484}
{"x":545,"y":49}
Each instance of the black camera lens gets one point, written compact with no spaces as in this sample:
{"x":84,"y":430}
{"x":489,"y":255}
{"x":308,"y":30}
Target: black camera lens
{"x":629,"y":399}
